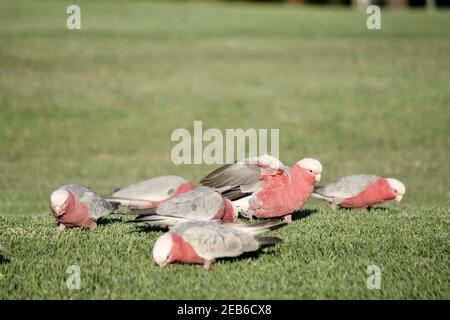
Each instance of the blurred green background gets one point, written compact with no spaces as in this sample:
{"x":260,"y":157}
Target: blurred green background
{"x":97,"y":106}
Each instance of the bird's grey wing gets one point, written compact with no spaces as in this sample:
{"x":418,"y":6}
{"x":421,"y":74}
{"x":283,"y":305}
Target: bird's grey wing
{"x":232,"y":179}
{"x":232,"y":175}
{"x":156,"y":189}
{"x":347,"y":187}
{"x":202,"y":203}
{"x":96,"y":205}
{"x":160,"y":221}
{"x":211,"y":240}
{"x":243,"y":191}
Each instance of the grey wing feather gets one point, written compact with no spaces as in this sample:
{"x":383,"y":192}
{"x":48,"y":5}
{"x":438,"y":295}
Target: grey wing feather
{"x":96,"y":205}
{"x":201,"y":203}
{"x":346,"y":187}
{"x":233,"y":179}
{"x":160,"y":221}
{"x":258,"y":227}
{"x":156,"y":189}
{"x":212,"y":240}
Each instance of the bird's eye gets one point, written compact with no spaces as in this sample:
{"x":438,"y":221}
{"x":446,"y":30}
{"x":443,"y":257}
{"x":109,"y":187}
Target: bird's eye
{"x":170,"y":192}
{"x":310,"y":170}
{"x":395,"y":191}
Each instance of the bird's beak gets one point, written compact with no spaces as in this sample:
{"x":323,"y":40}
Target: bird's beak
{"x":58,"y":211}
{"x":398,"y":198}
{"x":317,"y":177}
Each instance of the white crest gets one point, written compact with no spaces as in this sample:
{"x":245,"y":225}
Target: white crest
{"x":312,"y":164}
{"x":59,"y":197}
{"x":162,"y":248}
{"x":398,"y":186}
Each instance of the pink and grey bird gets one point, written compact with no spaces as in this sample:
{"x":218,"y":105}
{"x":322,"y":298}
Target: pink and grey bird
{"x":154,"y":191}
{"x":360,"y":191}
{"x":202,"y":203}
{"x":74,"y":205}
{"x":263,"y":187}
{"x":201,"y":242}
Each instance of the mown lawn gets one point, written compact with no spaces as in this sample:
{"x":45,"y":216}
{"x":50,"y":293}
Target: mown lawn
{"x":97,"y":107}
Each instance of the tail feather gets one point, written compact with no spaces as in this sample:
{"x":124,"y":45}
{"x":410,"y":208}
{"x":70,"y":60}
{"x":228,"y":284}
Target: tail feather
{"x":268,"y":241}
{"x":161,"y":221}
{"x":146,"y":218}
{"x":128,"y":202}
{"x":316,"y":188}
{"x":320,"y":196}
{"x":259,"y":227}
{"x":141,"y":212}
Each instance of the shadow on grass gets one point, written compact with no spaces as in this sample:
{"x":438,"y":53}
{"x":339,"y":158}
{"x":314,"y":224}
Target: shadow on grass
{"x":362,"y":209}
{"x":377,"y":209}
{"x":146,"y":228}
{"x":109,"y":220}
{"x":270,"y":251}
{"x":303,"y":214}
{"x":4,"y":260}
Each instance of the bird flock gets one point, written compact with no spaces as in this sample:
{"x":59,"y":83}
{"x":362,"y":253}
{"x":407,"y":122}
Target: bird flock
{"x":201,"y":218}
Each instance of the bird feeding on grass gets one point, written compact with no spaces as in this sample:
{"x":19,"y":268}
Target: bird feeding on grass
{"x":202,"y":242}
{"x":360,"y":191}
{"x":202,"y":203}
{"x":152,"y":192}
{"x":74,"y":205}
{"x":263,"y":187}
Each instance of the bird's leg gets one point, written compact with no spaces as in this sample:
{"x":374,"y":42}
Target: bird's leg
{"x":207,"y":264}
{"x":333,"y":205}
{"x":62,"y":227}
{"x":288,"y":218}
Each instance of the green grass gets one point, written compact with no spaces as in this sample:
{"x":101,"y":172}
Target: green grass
{"x":97,"y":107}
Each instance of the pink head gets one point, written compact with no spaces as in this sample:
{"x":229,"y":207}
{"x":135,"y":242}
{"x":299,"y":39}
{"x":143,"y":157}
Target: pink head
{"x":59,"y":201}
{"x":162,"y":248}
{"x":312,"y":166}
{"x":397,"y":187}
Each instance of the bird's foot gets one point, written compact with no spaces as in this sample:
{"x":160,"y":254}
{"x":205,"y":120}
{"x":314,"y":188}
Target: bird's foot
{"x":288,"y":218}
{"x":208,"y":264}
{"x":333,"y":206}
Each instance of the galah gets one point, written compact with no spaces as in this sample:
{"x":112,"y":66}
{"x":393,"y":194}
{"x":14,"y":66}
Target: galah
{"x":360,"y":191}
{"x":74,"y":205}
{"x":201,"y":242}
{"x":202,"y":203}
{"x":263,"y":187}
{"x":152,"y":192}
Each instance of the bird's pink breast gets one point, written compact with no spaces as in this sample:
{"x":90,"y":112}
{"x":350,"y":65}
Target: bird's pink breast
{"x":283,"y":195}
{"x":182,"y":251}
{"x":226,"y":213}
{"x":375,"y":193}
{"x":76,"y":215}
